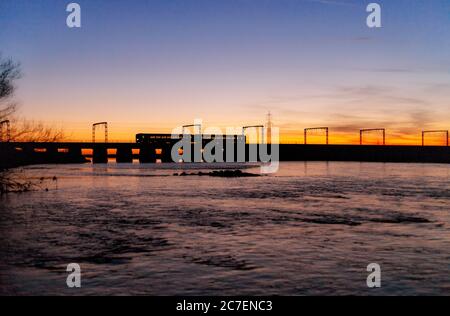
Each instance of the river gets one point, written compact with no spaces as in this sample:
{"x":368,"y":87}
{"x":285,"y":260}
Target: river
{"x":312,"y":228}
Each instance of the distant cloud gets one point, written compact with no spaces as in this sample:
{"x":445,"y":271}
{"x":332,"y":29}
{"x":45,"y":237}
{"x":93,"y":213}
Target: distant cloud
{"x":362,"y":38}
{"x":387,"y":70}
{"x":347,"y":109}
{"x":363,"y":90}
{"x":405,"y":126}
{"x":281,"y":105}
{"x":438,"y":88}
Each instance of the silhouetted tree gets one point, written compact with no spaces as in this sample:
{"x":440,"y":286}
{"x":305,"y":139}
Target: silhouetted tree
{"x":9,"y":72}
{"x":22,"y":130}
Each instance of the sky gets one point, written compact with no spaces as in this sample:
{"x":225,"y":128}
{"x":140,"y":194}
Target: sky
{"x":150,"y":66}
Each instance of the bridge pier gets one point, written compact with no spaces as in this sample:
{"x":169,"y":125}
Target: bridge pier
{"x":254,"y":150}
{"x":75,"y":152}
{"x":124,"y":155}
{"x":239,"y":146}
{"x":147,"y":154}
{"x":100,"y":154}
{"x":166,"y":155}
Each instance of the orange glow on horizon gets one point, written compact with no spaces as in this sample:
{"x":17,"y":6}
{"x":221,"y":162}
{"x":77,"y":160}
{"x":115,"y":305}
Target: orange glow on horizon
{"x":297,"y":137}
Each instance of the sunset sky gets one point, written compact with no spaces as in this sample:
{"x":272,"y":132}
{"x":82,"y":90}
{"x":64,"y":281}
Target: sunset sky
{"x":149,"y":66}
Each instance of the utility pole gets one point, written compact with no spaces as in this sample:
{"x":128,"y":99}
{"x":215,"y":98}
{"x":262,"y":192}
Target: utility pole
{"x":269,"y":128}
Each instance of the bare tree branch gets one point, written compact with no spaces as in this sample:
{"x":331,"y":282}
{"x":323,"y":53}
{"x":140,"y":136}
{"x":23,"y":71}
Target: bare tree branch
{"x":21,"y":130}
{"x":9,"y":71}
{"x":31,"y":131}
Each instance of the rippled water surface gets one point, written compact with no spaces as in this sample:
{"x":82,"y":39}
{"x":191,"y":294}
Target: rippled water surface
{"x":311,"y":228}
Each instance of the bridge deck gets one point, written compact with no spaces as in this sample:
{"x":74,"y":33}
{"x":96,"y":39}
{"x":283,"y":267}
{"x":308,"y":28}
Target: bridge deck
{"x":70,"y":152}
